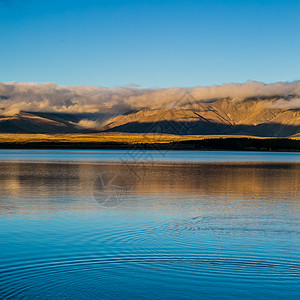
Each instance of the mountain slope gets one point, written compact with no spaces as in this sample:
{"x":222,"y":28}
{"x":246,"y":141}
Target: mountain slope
{"x":225,"y":116}
{"x":252,"y":117}
{"x":32,"y":123}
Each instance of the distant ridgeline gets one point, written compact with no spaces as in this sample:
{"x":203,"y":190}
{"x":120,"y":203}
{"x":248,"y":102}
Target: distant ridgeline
{"x":222,"y":117}
{"x":251,"y":117}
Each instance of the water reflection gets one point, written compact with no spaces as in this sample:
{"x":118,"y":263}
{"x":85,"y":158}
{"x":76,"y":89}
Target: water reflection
{"x":172,"y":229}
{"x":26,"y":187}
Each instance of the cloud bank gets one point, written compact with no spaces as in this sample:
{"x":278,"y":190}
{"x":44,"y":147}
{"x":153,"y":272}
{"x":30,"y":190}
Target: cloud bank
{"x":49,"y":97}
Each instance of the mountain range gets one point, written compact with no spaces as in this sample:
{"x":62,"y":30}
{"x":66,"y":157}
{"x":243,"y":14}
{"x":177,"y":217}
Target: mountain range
{"x":225,"y":116}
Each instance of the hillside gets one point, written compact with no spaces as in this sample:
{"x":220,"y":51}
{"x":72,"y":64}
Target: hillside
{"x":49,"y":123}
{"x":223,"y":117}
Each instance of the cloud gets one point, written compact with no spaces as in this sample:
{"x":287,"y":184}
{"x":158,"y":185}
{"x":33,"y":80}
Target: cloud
{"x":292,"y":103}
{"x":86,"y":123}
{"x":49,"y":97}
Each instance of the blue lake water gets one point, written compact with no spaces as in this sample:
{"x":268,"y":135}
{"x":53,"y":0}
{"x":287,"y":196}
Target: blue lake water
{"x":149,"y":225}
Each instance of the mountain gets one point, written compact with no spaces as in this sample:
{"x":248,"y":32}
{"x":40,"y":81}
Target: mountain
{"x":254,"y":117}
{"x":52,"y":123}
{"x":26,"y":122}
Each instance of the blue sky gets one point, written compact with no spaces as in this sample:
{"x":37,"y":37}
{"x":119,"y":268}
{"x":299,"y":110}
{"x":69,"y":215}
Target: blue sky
{"x":149,"y":43}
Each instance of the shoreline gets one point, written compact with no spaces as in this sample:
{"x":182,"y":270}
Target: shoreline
{"x":166,"y":144}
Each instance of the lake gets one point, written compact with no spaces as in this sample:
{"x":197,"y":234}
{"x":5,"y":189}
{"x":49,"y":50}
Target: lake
{"x":149,"y":224}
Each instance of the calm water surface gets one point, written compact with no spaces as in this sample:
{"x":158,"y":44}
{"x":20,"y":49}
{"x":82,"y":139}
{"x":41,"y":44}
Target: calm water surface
{"x":149,"y":225}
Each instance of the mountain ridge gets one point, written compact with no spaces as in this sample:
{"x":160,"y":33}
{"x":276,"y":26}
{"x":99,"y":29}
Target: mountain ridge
{"x":252,"y":117}
{"x":225,"y":116}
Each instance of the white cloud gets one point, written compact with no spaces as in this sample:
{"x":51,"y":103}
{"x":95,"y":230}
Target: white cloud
{"x":86,"y":123}
{"x":49,"y":97}
{"x":292,"y":103}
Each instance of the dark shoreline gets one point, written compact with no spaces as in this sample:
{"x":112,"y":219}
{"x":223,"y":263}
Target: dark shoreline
{"x":230,"y":144}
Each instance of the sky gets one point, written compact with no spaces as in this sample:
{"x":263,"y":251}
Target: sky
{"x":149,"y":44}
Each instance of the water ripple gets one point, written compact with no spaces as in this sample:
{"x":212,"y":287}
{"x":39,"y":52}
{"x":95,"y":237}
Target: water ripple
{"x":24,"y":277}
